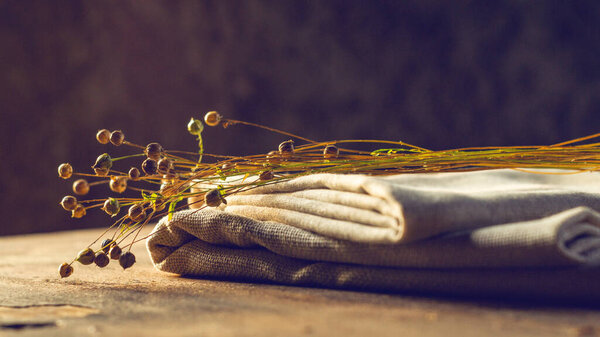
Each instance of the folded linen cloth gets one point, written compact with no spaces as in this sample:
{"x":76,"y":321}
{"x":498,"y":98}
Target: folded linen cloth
{"x":500,"y":232}
{"x":410,"y":207}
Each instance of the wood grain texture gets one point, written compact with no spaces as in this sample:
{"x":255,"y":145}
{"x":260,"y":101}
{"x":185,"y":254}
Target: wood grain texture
{"x":144,"y":302}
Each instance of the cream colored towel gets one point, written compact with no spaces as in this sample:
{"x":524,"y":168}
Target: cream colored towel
{"x":489,"y":233}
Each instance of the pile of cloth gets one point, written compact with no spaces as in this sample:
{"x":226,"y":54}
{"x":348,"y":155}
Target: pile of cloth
{"x":496,"y":233}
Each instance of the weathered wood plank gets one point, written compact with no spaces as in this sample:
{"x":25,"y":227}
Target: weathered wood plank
{"x":144,"y":302}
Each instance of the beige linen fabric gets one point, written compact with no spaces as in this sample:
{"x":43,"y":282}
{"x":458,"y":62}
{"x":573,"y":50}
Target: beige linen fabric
{"x":409,"y":207}
{"x":491,"y":233}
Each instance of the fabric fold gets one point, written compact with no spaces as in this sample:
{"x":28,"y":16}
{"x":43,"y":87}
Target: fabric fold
{"x":416,"y":206}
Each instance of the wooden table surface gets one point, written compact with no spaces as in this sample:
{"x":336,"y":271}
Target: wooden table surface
{"x":142,"y":301}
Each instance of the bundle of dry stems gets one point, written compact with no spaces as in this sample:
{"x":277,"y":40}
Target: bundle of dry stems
{"x":168,"y":178}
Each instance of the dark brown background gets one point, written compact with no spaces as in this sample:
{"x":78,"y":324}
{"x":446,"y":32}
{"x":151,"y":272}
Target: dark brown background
{"x":434,"y":73}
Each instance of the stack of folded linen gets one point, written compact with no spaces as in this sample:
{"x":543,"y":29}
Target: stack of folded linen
{"x":495,"y":233}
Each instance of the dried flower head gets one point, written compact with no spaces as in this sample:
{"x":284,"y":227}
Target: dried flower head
{"x":86,"y":256}
{"x":68,"y":202}
{"x":107,"y":244}
{"x":78,"y":211}
{"x":101,"y":259}
{"x":115,"y":252}
{"x":127,"y":260}
{"x":134,"y":174}
{"x":149,"y":166}
{"x":213,"y":198}
{"x":81,"y":187}
{"x":266,"y":175}
{"x":195,"y":127}
{"x":101,"y":172}
{"x":286,"y":149}
{"x":331,"y":151}
{"x":212,"y":118}
{"x":137,"y":212}
{"x":103,"y":136}
{"x":104,"y":161}
{"x":111,"y":206}
{"x":65,"y":270}
{"x":118,"y":184}
{"x":65,"y":170}
{"x":117,"y":137}
{"x":165,"y":165}
{"x":154,"y":151}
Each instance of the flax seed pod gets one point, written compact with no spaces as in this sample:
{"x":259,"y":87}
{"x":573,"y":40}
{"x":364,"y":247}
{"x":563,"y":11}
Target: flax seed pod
{"x":101,"y":259}
{"x":78,"y":211}
{"x":117,"y":137}
{"x":213,"y":198}
{"x":126,"y":260}
{"x":103,"y":136}
{"x":195,"y":126}
{"x":212,"y":118}
{"x":65,"y":270}
{"x":154,"y":151}
{"x":331,"y":151}
{"x":107,"y":244}
{"x":68,"y":202}
{"x":286,"y":149}
{"x":115,"y":252}
{"x":134,"y":174}
{"x":65,"y":170}
{"x":86,"y":256}
{"x":164,"y":165}
{"x":103,"y":163}
{"x":81,"y":187}
{"x":149,"y":166}
{"x":118,"y":184}
{"x":137,"y":212}
{"x":111,"y":206}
